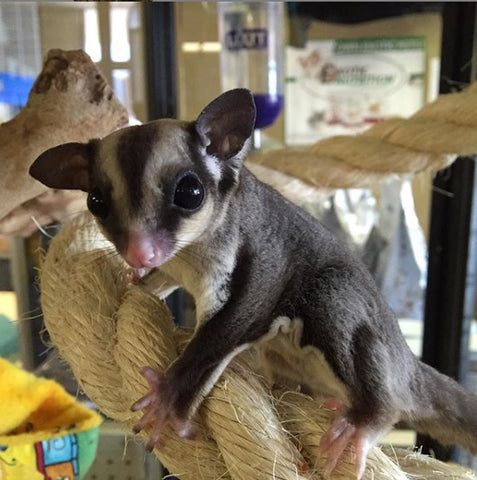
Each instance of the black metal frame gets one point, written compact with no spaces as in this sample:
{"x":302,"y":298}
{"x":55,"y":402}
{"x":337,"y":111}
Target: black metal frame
{"x":159,"y":28}
{"x":451,"y":284}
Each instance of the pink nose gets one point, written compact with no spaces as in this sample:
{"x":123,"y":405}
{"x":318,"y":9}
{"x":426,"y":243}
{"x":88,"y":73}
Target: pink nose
{"x":141,"y":252}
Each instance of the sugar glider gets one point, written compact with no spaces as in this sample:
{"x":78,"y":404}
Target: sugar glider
{"x":175,"y":196}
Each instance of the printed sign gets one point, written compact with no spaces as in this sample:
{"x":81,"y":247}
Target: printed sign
{"x":247,"y":39}
{"x":336,"y":87}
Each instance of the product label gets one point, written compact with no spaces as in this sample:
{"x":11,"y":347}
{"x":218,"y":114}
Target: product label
{"x":247,"y":39}
{"x":344,"y":86}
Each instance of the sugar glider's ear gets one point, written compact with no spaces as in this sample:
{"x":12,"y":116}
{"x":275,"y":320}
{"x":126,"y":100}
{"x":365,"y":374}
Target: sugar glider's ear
{"x":64,"y":167}
{"x":226,"y":123}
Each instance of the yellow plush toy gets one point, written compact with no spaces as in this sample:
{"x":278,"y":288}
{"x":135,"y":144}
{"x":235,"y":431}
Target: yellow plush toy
{"x":44,"y":432}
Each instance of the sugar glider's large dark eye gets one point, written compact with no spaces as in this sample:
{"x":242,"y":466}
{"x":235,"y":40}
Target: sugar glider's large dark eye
{"x":98,"y":203}
{"x":189,"y":192}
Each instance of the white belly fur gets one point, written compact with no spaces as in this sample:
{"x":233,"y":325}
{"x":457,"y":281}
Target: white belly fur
{"x":288,"y":364}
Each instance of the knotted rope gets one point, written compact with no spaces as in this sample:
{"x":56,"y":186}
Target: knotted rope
{"x":108,"y":331}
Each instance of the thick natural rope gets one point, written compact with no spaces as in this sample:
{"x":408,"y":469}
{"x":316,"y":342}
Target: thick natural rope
{"x":107,"y":332}
{"x":429,"y":141}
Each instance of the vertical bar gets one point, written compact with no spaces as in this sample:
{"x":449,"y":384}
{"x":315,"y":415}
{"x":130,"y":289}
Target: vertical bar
{"x":104,"y":26}
{"x":450,"y":285}
{"x":23,"y":265}
{"x":21,"y":285}
{"x":160,"y":59}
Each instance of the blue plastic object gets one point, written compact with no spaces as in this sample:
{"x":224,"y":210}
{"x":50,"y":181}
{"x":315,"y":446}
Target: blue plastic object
{"x":14,"y":89}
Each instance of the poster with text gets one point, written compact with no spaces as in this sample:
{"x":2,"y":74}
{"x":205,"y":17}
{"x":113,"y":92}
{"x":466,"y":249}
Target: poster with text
{"x":336,"y":87}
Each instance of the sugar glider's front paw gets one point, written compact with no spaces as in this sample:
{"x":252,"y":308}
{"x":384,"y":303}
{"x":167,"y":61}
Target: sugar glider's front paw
{"x":160,"y":411}
{"x":135,"y":275}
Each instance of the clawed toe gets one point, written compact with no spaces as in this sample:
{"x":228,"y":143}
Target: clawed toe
{"x":160,"y":410}
{"x":341,"y":435}
{"x":334,"y":443}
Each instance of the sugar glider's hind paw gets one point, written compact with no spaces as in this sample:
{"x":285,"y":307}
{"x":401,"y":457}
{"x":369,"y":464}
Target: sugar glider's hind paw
{"x":340,"y":436}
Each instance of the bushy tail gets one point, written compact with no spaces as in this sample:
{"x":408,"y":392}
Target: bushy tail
{"x":446,"y":411}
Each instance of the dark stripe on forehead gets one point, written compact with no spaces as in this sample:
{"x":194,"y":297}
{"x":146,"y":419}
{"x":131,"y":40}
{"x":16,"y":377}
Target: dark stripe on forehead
{"x":134,"y":149}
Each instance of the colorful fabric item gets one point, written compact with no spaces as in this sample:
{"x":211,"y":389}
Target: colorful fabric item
{"x":45,"y":433}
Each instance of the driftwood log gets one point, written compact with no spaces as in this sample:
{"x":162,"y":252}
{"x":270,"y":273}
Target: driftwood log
{"x":70,"y":102}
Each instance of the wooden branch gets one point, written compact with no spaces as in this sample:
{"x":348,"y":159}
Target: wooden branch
{"x":69,"y":102}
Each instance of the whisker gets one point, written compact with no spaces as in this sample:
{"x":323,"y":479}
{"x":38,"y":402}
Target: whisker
{"x":57,"y":224}
{"x":40,"y":228}
{"x":100,"y":255}
{"x":28,"y":316}
{"x":441,"y":191}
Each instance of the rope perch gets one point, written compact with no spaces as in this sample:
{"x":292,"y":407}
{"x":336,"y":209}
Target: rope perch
{"x":429,"y":140}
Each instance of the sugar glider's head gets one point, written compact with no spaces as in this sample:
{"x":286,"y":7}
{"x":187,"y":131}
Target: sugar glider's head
{"x":158,"y":187}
